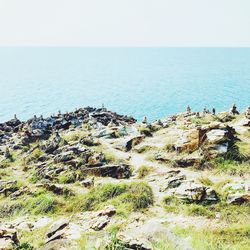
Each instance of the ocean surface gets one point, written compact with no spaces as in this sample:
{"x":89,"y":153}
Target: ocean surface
{"x":136,"y":81}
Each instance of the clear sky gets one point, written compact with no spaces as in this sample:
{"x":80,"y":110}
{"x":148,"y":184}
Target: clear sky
{"x":125,"y":22}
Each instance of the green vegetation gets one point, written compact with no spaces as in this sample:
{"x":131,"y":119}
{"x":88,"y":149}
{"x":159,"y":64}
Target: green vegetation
{"x":145,"y":148}
{"x":205,"y":181}
{"x":33,"y":240}
{"x":75,"y":135}
{"x":110,"y":157}
{"x":202,"y":120}
{"x":65,"y":178}
{"x":143,"y":171}
{"x":34,"y":155}
{"x":233,"y":236}
{"x":164,"y":244}
{"x":125,"y":197}
{"x":169,"y":147}
{"x":145,"y":131}
{"x":231,"y":167}
{"x":244,"y":149}
{"x":39,"y":204}
{"x":226,"y":212}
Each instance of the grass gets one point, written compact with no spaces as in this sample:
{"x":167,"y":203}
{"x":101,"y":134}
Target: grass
{"x":75,"y":135}
{"x":231,"y":167}
{"x":5,"y":164}
{"x":227,"y":213}
{"x":125,"y":197}
{"x":164,"y":243}
{"x":145,"y":131}
{"x":40,"y":203}
{"x":169,"y":147}
{"x":66,"y":178}
{"x":110,"y":157}
{"x":244,"y":149}
{"x":34,"y":155}
{"x":33,"y":240}
{"x":4,"y":173}
{"x":231,"y":237}
{"x":145,"y":149}
{"x":143,"y":171}
{"x":205,"y":181}
{"x":201,"y":120}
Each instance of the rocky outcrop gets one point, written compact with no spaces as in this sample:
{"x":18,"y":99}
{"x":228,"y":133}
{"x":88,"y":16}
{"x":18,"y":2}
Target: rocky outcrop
{"x":8,"y":239}
{"x":192,"y":192}
{"x":39,"y":128}
{"x":7,"y":187}
{"x":128,"y":143}
{"x":55,"y":230}
{"x":115,"y":171}
{"x":238,"y":198}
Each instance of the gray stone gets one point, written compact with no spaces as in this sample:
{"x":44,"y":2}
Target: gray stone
{"x":57,"y":226}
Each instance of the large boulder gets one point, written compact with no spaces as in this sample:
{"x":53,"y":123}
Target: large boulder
{"x":190,"y":140}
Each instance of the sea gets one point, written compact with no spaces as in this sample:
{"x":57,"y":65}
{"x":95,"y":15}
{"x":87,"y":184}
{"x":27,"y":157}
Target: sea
{"x":152,"y":82}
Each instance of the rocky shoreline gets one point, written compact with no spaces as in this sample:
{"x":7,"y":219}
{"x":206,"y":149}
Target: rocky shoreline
{"x":94,"y":179}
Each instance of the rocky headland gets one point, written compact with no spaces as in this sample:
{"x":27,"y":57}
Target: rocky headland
{"x":93,"y":179}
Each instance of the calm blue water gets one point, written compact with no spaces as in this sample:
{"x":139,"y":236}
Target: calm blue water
{"x":134,"y":81}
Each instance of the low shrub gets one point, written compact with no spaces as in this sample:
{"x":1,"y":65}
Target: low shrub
{"x":143,"y":171}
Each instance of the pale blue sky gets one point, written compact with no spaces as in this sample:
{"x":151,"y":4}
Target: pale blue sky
{"x":125,"y":22}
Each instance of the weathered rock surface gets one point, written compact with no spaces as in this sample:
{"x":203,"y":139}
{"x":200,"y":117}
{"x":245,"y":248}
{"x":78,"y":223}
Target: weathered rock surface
{"x":8,"y":239}
{"x":192,"y":192}
{"x":115,"y":171}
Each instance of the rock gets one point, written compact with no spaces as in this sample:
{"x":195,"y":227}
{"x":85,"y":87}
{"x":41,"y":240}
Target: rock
{"x":88,"y":182}
{"x":56,"y":189}
{"x":192,"y":192}
{"x":129,"y":143}
{"x":57,"y":235}
{"x":189,"y":161}
{"x":238,"y":198}
{"x":216,"y":136}
{"x":59,"y":244}
{"x":8,"y":239}
{"x":107,"y":211}
{"x":96,"y":159}
{"x":7,"y":187}
{"x":25,"y":226}
{"x":41,"y":222}
{"x":247,"y":115}
{"x":89,"y":141}
{"x":144,"y":236}
{"x":115,"y":171}
{"x":64,"y":157}
{"x":100,"y":222}
{"x":211,"y":196}
{"x":21,"y":191}
{"x":173,"y":182}
{"x":57,"y":226}
{"x":106,"y":133}
{"x":190,"y":140}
